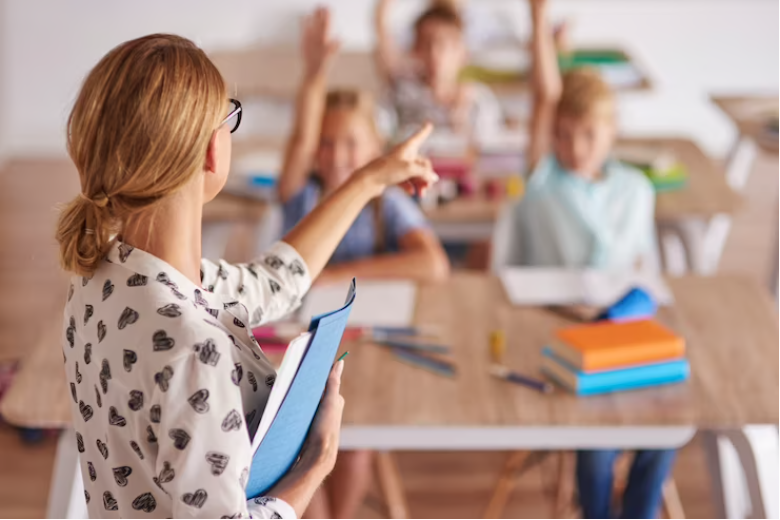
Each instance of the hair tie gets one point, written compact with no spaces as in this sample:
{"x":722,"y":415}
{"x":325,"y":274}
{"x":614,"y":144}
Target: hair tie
{"x":100,"y":200}
{"x":89,"y":231}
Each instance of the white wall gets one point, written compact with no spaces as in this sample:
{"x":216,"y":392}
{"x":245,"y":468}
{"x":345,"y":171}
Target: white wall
{"x":3,"y":84}
{"x":689,"y":47}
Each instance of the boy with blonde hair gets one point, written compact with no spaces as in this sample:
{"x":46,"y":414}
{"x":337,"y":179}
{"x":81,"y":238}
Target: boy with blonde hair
{"x":583,"y":209}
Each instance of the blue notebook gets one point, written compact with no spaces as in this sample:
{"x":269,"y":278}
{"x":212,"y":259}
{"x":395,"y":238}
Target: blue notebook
{"x":631,"y":378}
{"x":280,"y":447}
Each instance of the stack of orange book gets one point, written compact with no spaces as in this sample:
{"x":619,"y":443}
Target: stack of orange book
{"x":611,"y":356}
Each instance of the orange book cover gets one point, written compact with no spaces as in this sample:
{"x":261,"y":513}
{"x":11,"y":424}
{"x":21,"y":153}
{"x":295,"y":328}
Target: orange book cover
{"x":607,"y":345}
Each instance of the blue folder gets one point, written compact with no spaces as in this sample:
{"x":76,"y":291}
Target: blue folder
{"x":281,"y":446}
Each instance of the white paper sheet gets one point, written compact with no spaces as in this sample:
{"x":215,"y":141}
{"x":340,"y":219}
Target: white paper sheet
{"x":543,"y":286}
{"x":603,"y":288}
{"x":284,"y":378}
{"x":552,"y":286}
{"x":377,"y":304}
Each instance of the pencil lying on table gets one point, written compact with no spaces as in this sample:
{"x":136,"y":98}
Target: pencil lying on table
{"x":504,"y":373}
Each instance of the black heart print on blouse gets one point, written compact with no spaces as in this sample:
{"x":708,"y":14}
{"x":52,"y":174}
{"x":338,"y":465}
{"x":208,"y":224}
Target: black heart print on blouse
{"x":86,"y":411}
{"x":213,"y":312}
{"x":241,"y":289}
{"x":170,"y":311}
{"x":91,"y":471}
{"x":296,"y":268}
{"x":270,"y":379}
{"x":101,"y":331}
{"x":178,"y":294}
{"x":166,"y":475}
{"x":70,"y":332}
{"x":155,"y":413}
{"x":145,"y":503}
{"x":217,"y":461}
{"x":243,"y":477}
{"x":199,"y":299}
{"x":85,"y":280}
{"x":136,"y":401}
{"x":128,"y":317}
{"x":229,"y":305}
{"x":114,"y":419}
{"x":273,"y":261}
{"x":250,"y":376}
{"x":108,"y":289}
{"x":162,"y":277}
{"x":128,"y":359}
{"x":124,"y":252}
{"x":105,"y":375}
{"x":196,"y":499}
{"x":79,"y":442}
{"x":222,"y":273}
{"x":78,"y":374}
{"x":161,"y":341}
{"x":252,"y":270}
{"x":73,"y":393}
{"x":88,"y":353}
{"x":120,"y":475}
{"x":234,"y":515}
{"x":207,"y":352}
{"x":238,"y":323}
{"x":198,"y":401}
{"x":255,"y":355}
{"x":137,"y":449}
{"x":232,"y":421}
{"x":89,"y":310}
{"x":102,"y":448}
{"x":98,"y":399}
{"x":275,"y":287}
{"x":109,"y":502}
{"x":70,"y":292}
{"x":151,"y":438}
{"x":210,"y":288}
{"x":180,"y":438}
{"x":237,"y":374}
{"x":86,"y":496}
{"x":162,"y":378}
{"x":137,"y":280}
{"x":264,"y":501}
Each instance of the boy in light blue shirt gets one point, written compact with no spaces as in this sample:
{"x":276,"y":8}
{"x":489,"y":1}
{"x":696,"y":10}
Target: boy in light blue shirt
{"x":582,"y":209}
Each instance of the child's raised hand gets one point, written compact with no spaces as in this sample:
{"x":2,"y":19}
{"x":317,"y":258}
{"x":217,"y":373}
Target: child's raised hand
{"x":404,"y":166}
{"x":317,"y":45}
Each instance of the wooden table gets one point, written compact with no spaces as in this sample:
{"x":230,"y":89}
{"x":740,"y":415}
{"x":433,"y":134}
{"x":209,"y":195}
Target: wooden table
{"x":729,"y":324}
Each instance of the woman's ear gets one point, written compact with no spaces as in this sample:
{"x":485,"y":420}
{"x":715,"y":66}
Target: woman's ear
{"x":212,"y":154}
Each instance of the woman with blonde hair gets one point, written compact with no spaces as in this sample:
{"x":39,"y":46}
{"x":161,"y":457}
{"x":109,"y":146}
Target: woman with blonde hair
{"x":167,"y":382}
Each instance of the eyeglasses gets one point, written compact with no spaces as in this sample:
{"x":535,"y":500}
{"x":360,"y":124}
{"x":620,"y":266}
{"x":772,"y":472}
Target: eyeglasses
{"x":234,"y":116}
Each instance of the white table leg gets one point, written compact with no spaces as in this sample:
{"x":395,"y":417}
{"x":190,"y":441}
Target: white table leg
{"x":740,"y":162}
{"x":744,"y":468}
{"x":66,"y":494}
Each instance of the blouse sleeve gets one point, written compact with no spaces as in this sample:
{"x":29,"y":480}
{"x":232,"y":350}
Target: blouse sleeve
{"x":204,"y":449}
{"x":270,"y":287}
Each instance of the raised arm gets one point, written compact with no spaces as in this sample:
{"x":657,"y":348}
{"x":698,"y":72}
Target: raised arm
{"x":545,"y":82}
{"x":318,"y":50}
{"x":271,"y":286}
{"x":389,"y":57}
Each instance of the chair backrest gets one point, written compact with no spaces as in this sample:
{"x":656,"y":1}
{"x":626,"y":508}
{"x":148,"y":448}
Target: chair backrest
{"x":505,"y":245}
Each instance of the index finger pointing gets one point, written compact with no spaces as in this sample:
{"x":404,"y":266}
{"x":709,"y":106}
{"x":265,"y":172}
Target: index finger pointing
{"x":417,"y":139}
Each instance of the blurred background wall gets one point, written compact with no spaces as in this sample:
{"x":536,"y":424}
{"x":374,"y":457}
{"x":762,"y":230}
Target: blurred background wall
{"x":690,"y":48}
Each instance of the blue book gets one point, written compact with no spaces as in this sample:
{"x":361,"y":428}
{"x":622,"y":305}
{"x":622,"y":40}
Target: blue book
{"x":606,"y":381}
{"x":294,"y":399}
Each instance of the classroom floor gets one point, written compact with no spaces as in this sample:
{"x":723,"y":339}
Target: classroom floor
{"x":438,"y":485}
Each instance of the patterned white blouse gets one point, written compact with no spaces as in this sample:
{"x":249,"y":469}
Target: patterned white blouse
{"x":168,"y":383}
